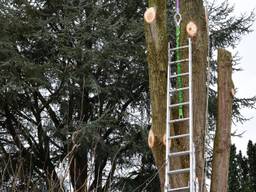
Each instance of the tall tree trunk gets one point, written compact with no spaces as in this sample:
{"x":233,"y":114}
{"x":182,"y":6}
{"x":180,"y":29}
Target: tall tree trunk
{"x":156,"y":38}
{"x":194,"y":11}
{"x":222,"y":141}
{"x":78,"y":170}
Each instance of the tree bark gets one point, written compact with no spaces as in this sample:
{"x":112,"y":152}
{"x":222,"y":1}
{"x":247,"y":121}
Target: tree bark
{"x":193,"y":11}
{"x":78,"y":169}
{"x":156,"y":39}
{"x":222,"y":141}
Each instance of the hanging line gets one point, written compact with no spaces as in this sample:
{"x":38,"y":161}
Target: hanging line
{"x":177,"y":20}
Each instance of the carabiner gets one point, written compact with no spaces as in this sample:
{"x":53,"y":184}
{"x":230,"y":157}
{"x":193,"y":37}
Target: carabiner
{"x":177,"y":19}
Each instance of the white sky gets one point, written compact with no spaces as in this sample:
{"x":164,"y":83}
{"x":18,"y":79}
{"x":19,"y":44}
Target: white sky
{"x":245,"y":81}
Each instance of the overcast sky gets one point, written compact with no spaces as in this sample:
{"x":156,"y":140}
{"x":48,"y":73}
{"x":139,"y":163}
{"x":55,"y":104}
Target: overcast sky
{"x":245,"y":81}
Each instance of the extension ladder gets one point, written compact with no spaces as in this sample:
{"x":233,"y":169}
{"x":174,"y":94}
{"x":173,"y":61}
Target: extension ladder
{"x":188,"y":136}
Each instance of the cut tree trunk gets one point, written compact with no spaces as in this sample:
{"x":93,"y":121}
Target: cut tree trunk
{"x":222,"y":141}
{"x":193,"y":13}
{"x":156,"y":39}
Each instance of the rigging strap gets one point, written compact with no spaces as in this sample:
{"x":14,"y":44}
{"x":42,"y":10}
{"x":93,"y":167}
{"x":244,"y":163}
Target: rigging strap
{"x":177,"y":20}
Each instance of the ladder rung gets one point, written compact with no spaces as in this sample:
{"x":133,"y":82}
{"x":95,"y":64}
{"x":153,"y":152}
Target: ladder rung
{"x":181,"y":153}
{"x":177,"y":48}
{"x":179,"y":75}
{"x":179,"y":104}
{"x":179,"y":171}
{"x":179,"y":189}
{"x":179,"y":120}
{"x":179,"y":136}
{"x":179,"y":61}
{"x":179,"y":89}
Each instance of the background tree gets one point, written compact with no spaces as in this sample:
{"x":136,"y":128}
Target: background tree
{"x":241,"y":176}
{"x":69,"y":95}
{"x":74,"y":93}
{"x":251,"y":153}
{"x":234,"y":178}
{"x":244,"y":177}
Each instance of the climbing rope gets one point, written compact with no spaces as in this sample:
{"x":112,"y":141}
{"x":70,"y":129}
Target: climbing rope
{"x":177,"y":20}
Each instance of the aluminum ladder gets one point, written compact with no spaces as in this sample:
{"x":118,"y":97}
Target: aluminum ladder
{"x":188,"y":136}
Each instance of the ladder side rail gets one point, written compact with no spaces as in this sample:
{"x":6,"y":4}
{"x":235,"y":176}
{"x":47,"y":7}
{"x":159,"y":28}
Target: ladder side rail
{"x":191,"y":152}
{"x":167,"y":134}
{"x":191,"y":159}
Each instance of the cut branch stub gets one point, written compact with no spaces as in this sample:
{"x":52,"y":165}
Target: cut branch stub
{"x":150,"y":15}
{"x":164,"y":139}
{"x":151,"y":139}
{"x":191,"y":29}
{"x":150,"y":19}
{"x":233,"y":92}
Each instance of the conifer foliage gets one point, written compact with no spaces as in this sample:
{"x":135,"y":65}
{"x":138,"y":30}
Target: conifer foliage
{"x":74,"y":96}
{"x":242,"y":171}
{"x":73,"y":80}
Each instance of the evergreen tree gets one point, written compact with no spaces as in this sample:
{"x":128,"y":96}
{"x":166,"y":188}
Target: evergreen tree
{"x":234,"y":180}
{"x":74,"y":94}
{"x":251,"y":153}
{"x":72,"y":75}
{"x":243,"y":173}
{"x":242,"y":169}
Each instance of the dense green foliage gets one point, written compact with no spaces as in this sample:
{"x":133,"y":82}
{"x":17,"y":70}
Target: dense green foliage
{"x":74,"y":94}
{"x":242,"y":170}
{"x":74,"y":69}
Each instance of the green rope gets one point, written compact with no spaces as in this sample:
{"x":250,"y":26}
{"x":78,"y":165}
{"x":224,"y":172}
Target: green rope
{"x":179,"y":79}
